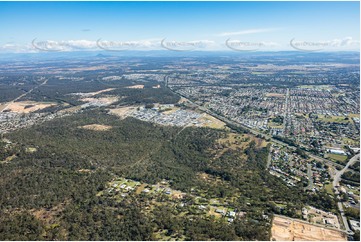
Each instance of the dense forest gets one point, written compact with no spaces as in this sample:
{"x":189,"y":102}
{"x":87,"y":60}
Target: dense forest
{"x":49,"y":190}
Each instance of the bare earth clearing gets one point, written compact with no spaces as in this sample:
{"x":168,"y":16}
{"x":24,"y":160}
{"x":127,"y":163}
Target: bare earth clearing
{"x":211,"y":122}
{"x":96,"y":127}
{"x":275,"y":95}
{"x":90,"y":94}
{"x":136,"y":87}
{"x":101,"y":100}
{"x":287,"y":229}
{"x":122,"y":112}
{"x":26,"y":106}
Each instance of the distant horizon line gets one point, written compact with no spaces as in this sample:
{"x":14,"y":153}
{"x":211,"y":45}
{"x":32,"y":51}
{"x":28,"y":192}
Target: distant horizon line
{"x":177,"y":52}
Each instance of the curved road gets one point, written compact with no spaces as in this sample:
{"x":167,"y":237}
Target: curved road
{"x":337,"y":177}
{"x":335,"y":184}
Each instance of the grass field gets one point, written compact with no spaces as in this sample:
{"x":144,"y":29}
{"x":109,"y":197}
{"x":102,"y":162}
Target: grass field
{"x":333,"y":119}
{"x":271,"y":94}
{"x":354,"y":115}
{"x":348,"y":141}
{"x":328,"y":188}
{"x":211,"y":122}
{"x":8,"y":159}
{"x":319,"y":87}
{"x":336,"y":157}
{"x":275,"y":125}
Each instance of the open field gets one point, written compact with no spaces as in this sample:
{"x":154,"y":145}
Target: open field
{"x":31,"y":149}
{"x":348,"y":141}
{"x":333,"y":119}
{"x":275,"y":125}
{"x":90,"y":94}
{"x":90,"y":68}
{"x":336,"y":157}
{"x":96,"y":127}
{"x":182,"y":100}
{"x":211,"y":122}
{"x":317,"y":216}
{"x":169,"y":110}
{"x":71,"y":109}
{"x":270,"y":94}
{"x":122,"y":111}
{"x":329,"y":189}
{"x":212,"y":212}
{"x":8,"y":159}
{"x":136,"y":87}
{"x":318,"y":87}
{"x":2,"y":106}
{"x":236,"y":141}
{"x":101,"y":100}
{"x":354,"y":115}
{"x":26,"y":106}
{"x":287,"y":229}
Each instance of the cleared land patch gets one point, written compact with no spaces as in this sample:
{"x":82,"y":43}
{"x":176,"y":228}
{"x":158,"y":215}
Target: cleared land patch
{"x":2,"y":106}
{"x":136,"y":87}
{"x":333,"y":119}
{"x":271,"y":94}
{"x":122,"y":111}
{"x":287,"y":229}
{"x":337,"y":157}
{"x":26,"y":106}
{"x":8,"y":159}
{"x":235,"y":141}
{"x":317,"y":87}
{"x":211,"y":122}
{"x":90,"y":94}
{"x":101,"y":101}
{"x":96,"y":127}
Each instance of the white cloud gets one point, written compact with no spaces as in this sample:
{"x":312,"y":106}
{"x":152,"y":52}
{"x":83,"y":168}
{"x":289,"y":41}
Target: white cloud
{"x":248,"y":31}
{"x":68,"y":45}
{"x":345,"y":42}
{"x":16,"y":48}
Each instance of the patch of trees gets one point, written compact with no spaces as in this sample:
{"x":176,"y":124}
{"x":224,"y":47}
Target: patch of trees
{"x":238,"y":128}
{"x":285,"y":140}
{"x":353,"y":213}
{"x":355,"y":167}
{"x":141,"y":151}
{"x":301,"y":153}
{"x":351,"y":176}
{"x":278,"y":119}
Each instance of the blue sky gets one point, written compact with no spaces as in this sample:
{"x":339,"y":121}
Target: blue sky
{"x":270,"y":25}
